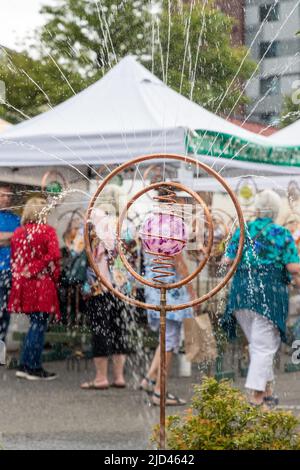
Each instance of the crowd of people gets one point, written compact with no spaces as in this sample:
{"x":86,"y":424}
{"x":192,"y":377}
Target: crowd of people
{"x":31,"y":279}
{"x":34,"y":274}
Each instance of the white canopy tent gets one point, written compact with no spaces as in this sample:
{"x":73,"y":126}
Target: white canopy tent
{"x":127,"y":113}
{"x":289,"y":135}
{"x":276,"y":182}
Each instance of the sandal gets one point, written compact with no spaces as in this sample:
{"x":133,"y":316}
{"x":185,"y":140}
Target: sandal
{"x":171,"y":400}
{"x":93,"y":386}
{"x":271,"y":401}
{"x":148,"y":386}
{"x":116,"y":385}
{"x":256,"y":405}
{"x":262,"y":406}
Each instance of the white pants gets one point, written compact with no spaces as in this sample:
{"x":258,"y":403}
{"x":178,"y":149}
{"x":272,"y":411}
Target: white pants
{"x":264,"y":341}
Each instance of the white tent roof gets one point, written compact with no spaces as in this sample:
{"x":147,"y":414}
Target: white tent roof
{"x":276,"y":182}
{"x":127,"y":113}
{"x":289,"y":136}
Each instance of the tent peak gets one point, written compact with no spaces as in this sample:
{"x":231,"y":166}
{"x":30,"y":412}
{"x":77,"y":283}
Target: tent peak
{"x":131,"y":68}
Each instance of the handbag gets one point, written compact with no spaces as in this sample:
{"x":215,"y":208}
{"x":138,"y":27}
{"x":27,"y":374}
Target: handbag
{"x":199,"y":340}
{"x":74,"y":271}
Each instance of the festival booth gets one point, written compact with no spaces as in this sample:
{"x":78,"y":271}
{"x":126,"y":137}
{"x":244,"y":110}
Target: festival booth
{"x":127,"y":113}
{"x":130,"y":112}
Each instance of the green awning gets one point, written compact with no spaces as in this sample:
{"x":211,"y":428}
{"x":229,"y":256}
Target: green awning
{"x":216,"y":144}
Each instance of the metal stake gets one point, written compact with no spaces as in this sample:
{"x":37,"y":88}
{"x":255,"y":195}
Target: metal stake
{"x":163,"y":303}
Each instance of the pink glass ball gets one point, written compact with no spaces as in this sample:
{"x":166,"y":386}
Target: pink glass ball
{"x":164,"y":234}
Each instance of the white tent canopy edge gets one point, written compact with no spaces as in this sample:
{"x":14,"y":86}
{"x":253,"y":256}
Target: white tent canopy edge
{"x":128,"y":112}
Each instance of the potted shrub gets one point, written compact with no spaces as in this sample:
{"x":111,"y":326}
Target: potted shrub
{"x":220,"y":418}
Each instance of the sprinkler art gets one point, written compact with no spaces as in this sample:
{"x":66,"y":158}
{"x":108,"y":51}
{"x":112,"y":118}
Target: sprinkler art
{"x":164,"y":233}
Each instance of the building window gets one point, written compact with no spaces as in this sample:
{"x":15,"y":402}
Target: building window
{"x":269,"y":12}
{"x":268,"y":49}
{"x":270,"y":86}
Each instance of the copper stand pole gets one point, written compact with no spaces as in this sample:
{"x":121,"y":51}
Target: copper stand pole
{"x":163,"y":303}
{"x":163,"y":307}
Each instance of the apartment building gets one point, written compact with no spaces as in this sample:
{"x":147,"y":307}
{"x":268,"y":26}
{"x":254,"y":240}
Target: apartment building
{"x":270,"y":32}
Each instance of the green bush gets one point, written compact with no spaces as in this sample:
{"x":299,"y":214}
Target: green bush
{"x":221,"y":419}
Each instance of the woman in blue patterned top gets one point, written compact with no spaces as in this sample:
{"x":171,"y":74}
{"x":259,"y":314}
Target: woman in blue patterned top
{"x":258,"y":297}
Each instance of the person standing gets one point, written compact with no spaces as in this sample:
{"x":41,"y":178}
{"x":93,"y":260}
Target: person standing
{"x":9,"y":222}
{"x":174,"y":320}
{"x":108,"y":315}
{"x":35,"y":262}
{"x":258,"y":298}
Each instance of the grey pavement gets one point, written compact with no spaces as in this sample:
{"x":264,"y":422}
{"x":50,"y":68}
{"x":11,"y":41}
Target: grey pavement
{"x":58,"y":415}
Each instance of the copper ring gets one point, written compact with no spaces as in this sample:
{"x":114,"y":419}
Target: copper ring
{"x":208,"y":170}
{"x":293,"y":190}
{"x":50,"y":174}
{"x":105,"y":167}
{"x":73,"y":213}
{"x":149,"y":169}
{"x":217,"y":221}
{"x":187,"y":279}
{"x":251,"y":181}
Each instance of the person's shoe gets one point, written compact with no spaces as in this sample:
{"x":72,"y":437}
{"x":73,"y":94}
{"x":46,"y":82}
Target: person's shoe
{"x":40,"y":374}
{"x":22,"y":372}
{"x":271,"y":401}
{"x":171,"y":400}
{"x":147,"y":385}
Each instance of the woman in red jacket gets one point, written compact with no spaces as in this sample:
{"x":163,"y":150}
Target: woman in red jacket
{"x":35,"y":257}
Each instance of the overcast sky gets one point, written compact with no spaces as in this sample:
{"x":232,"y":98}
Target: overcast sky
{"x":17,"y":19}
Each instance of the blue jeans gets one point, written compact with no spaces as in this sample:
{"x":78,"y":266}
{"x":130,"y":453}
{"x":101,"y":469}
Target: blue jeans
{"x":33,"y":346}
{"x":5,"y":282}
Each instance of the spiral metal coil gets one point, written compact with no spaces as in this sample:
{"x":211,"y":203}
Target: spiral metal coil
{"x":168,"y":198}
{"x":163,"y":268}
{"x":53,"y":174}
{"x":164,"y":265}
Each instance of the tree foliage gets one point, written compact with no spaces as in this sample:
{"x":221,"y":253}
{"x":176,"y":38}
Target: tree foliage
{"x":94,"y":35}
{"x":33,"y":86}
{"x":199,"y":59}
{"x":186,"y":45}
{"x":290,"y":111}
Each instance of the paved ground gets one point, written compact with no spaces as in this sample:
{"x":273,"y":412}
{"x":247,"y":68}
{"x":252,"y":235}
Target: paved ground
{"x":58,"y":415}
